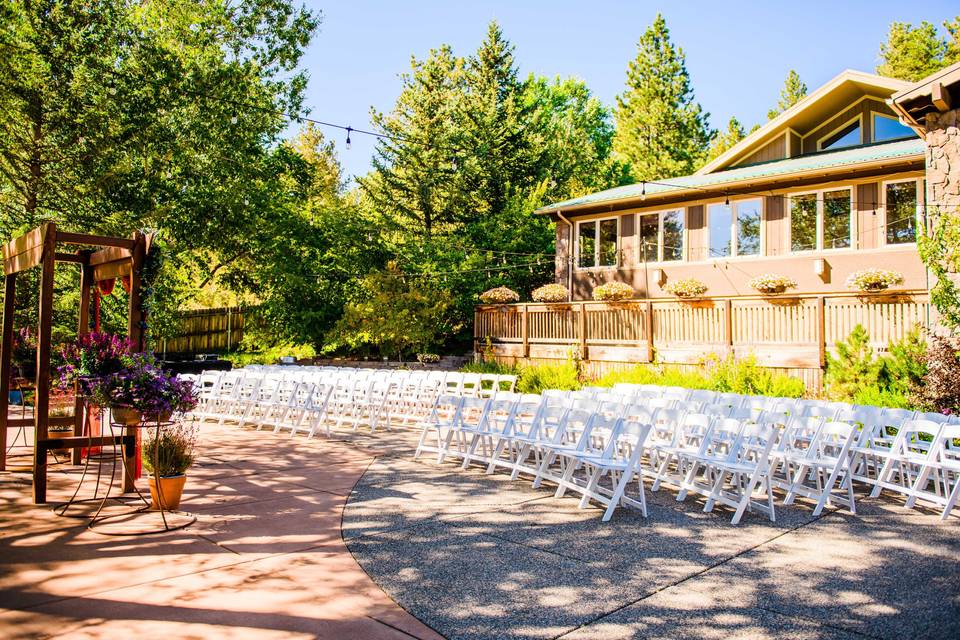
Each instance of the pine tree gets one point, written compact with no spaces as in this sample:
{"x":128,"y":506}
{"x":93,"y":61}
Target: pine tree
{"x":794,"y":90}
{"x":911,"y":53}
{"x":412,"y":184}
{"x":724,"y":140}
{"x":660,"y":129}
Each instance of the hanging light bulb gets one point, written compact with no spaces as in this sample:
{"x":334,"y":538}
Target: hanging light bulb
{"x":726,"y":200}
{"x":233,"y":120}
{"x":643,"y":190}
{"x":349,"y":144}
{"x":453,"y":162}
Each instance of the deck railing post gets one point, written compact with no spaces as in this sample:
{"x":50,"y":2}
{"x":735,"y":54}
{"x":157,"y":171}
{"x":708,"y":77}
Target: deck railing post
{"x":582,"y":331}
{"x":525,"y":330}
{"x":649,"y":328}
{"x":822,"y":332}
{"x":728,"y":325}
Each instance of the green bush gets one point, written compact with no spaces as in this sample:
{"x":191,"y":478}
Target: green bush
{"x":878,"y":397}
{"x":536,"y":378}
{"x":855,"y":367}
{"x":271,"y":355}
{"x":903,"y":369}
{"x":491,"y":366}
{"x":654,"y":374}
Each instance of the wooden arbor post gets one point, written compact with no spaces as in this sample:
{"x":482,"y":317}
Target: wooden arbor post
{"x":118,"y":257}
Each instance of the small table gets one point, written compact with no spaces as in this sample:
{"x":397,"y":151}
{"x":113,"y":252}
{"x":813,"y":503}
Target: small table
{"x":180,"y":519}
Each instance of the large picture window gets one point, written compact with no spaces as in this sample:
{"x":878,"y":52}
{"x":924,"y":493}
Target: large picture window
{"x":889,"y":128}
{"x":821,"y":220}
{"x":735,"y":229}
{"x":849,"y":135}
{"x":660,"y":236}
{"x":900,"y":203}
{"x":597,"y":243}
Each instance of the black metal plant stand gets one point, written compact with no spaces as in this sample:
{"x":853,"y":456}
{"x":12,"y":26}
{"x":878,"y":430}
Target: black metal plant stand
{"x":172,"y":519}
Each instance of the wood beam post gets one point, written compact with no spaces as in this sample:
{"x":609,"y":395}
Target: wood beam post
{"x":83,"y":328}
{"x":728,"y":325}
{"x":135,"y":333}
{"x":41,"y":406}
{"x":821,"y":332}
{"x":649,"y":328}
{"x":582,"y":330}
{"x":6,"y":358}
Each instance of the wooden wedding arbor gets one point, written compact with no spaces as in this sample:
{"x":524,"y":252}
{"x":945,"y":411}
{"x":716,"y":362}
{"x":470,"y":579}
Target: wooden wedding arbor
{"x":115,"y":258}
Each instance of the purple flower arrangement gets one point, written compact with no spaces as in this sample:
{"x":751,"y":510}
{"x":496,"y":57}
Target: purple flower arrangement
{"x":110,"y":376}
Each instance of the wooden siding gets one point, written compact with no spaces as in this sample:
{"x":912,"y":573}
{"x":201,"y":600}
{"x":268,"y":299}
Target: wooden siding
{"x":789,"y":333}
{"x":775,"y":226}
{"x":795,"y":147}
{"x":773,"y":150}
{"x":869,"y":216}
{"x":697,"y":247}
{"x":862,"y":108}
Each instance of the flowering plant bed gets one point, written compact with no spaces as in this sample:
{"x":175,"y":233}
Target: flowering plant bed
{"x":873,"y":279}
{"x":771,"y":283}
{"x":499,"y":295}
{"x":613,"y":291}
{"x":686,"y":288}
{"x":550,"y":293}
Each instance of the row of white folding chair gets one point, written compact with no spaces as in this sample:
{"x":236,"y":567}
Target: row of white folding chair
{"x":483,"y":430}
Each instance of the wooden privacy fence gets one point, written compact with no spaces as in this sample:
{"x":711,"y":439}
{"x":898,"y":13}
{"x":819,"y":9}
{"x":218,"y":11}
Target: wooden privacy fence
{"x":791,"y":333}
{"x":206,"y":331}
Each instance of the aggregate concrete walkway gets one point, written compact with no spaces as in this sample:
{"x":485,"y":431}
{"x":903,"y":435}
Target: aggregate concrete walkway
{"x":478,"y":556}
{"x":264,"y":560}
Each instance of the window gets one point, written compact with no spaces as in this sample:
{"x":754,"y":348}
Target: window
{"x":660,"y":236}
{"x":597,"y":242}
{"x":649,"y":237}
{"x":846,"y":136}
{"x":889,"y":128}
{"x":836,"y":219}
{"x":900,"y":200}
{"x":803,"y":222}
{"x":821,"y":220}
{"x":721,"y":220}
{"x":735,"y":228}
{"x":672,"y":236}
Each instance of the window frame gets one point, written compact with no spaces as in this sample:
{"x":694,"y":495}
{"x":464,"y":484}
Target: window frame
{"x":596,"y":244}
{"x":660,"y":245}
{"x":818,"y":194}
{"x":873,"y":129}
{"x":734,"y":228}
{"x":857,"y":118}
{"x":919,"y":181}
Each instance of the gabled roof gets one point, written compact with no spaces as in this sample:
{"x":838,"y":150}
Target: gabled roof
{"x":844,"y":88}
{"x":845,"y":158}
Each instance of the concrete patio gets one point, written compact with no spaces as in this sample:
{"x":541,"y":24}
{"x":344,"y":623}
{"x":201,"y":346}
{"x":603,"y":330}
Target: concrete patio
{"x":469,"y":555}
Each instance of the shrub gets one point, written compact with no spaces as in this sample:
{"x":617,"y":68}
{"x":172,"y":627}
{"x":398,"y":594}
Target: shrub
{"x":490,"y":366}
{"x":940,"y":389}
{"x":873,"y":279}
{"x":271,"y":355}
{"x":686,"y":288}
{"x":904,"y":367}
{"x":877,"y":397}
{"x":536,"y":378}
{"x":665,"y":375}
{"x":772,"y":283}
{"x":172,"y":450}
{"x":550,"y":293}
{"x":613,"y":291}
{"x":855,"y":366}
{"x":428,"y":358}
{"x":499,"y":295}
{"x":746,"y":377}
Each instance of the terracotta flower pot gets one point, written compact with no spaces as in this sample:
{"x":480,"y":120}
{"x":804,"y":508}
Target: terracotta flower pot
{"x":58,"y":435}
{"x":171,"y":490}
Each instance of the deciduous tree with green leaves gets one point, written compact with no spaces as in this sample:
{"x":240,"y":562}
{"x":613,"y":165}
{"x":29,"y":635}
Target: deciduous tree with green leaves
{"x":660,"y":128}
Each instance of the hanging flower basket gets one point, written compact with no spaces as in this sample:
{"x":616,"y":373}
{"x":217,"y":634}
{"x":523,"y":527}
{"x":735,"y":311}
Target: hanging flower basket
{"x":613,"y":291}
{"x":771,"y":284}
{"x":872,"y":280}
{"x":550,"y":293}
{"x":686,"y":288}
{"x":499,"y":295}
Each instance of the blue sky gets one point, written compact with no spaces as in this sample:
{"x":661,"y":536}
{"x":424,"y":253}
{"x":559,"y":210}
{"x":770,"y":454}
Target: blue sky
{"x":738,"y":53}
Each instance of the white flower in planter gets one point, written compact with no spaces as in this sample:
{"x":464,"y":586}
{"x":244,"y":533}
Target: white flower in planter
{"x":686,"y":288}
{"x":499,"y":295}
{"x":550,"y":293}
{"x":772,"y":283}
{"x":613,"y":291}
{"x":873,"y":279}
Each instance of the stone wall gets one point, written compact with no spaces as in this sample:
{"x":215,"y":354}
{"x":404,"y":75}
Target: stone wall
{"x":943,"y":159}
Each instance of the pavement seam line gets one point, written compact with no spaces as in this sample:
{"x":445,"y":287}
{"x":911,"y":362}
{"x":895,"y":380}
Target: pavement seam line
{"x":696,"y":574}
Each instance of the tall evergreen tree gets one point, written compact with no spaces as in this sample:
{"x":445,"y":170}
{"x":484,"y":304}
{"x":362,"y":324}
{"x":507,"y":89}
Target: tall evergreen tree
{"x":911,"y":53}
{"x":794,"y":90}
{"x":724,"y":140}
{"x":660,"y":128}
{"x":413,"y":183}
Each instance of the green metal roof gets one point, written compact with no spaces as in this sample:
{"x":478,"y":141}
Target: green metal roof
{"x":810,"y":162}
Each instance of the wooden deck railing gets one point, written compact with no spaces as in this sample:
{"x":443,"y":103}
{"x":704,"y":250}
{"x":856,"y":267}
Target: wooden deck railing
{"x":789,"y":332}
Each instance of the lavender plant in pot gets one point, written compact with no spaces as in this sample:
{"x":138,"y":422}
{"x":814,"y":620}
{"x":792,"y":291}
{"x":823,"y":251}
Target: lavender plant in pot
{"x":167,"y":455}
{"x":142,"y":391}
